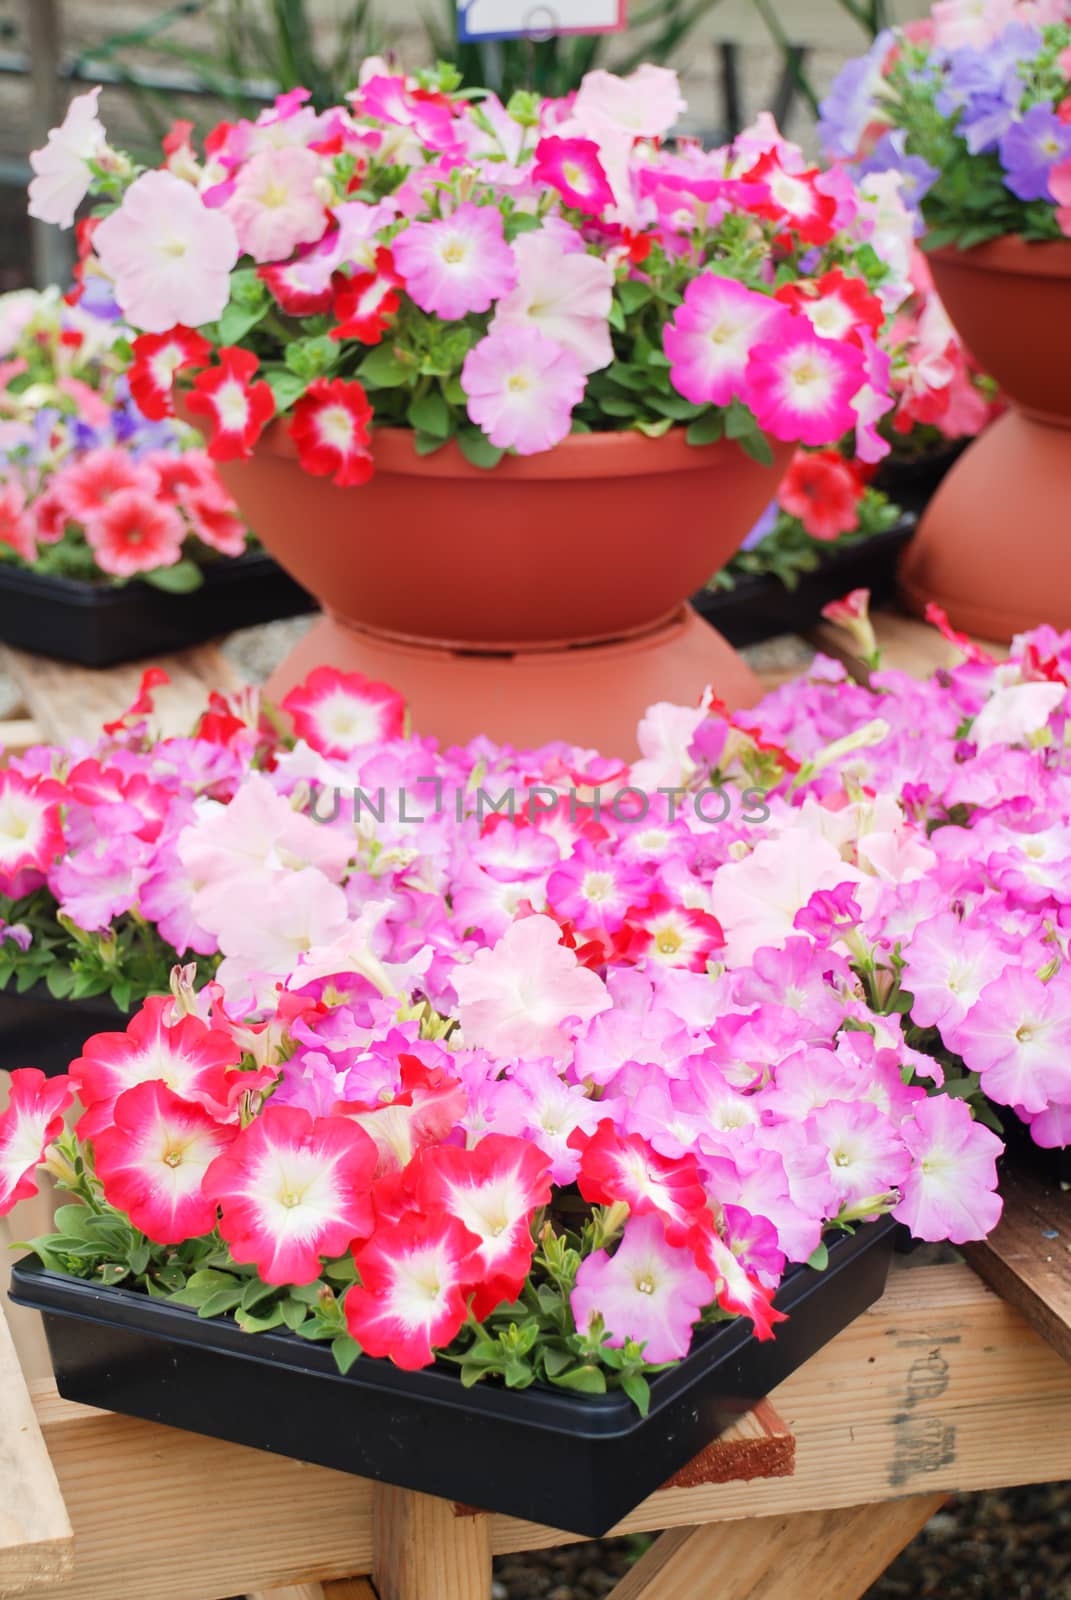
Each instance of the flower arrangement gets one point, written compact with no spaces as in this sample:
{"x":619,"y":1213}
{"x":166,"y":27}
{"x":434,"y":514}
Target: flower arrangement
{"x":430,"y":259}
{"x":969,"y":114}
{"x":589,"y":1054}
{"x":91,"y":488}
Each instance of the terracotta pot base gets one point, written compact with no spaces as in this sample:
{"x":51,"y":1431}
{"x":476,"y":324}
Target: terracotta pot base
{"x":993,"y":546}
{"x":591,"y":695}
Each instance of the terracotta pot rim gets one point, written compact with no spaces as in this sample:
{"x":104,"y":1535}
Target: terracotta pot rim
{"x":1028,"y":258}
{"x":620,"y":454}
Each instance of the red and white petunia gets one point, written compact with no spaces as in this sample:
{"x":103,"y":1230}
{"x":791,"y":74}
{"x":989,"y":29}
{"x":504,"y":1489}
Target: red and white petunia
{"x":494,"y":1190}
{"x":428,"y":1106}
{"x":736,"y":1290}
{"x":412,"y":1297}
{"x":711,"y":336}
{"x":157,"y":358}
{"x":616,"y":1168}
{"x":31,"y":833}
{"x":152,"y":1158}
{"x":136,"y":532}
{"x":338,"y":712}
{"x":674,"y":935}
{"x":837,"y":306}
{"x":330,"y":429}
{"x":795,"y":200}
{"x":572,"y":166}
{"x":187,"y":1056}
{"x":296,"y":288}
{"x":366,"y":302}
{"x":32,"y":1120}
{"x":800,"y":387}
{"x":291,"y":1189}
{"x":88,"y":485}
{"x":236,"y":407}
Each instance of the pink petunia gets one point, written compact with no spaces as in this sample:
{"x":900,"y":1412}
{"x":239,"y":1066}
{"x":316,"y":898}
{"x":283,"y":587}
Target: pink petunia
{"x":61,"y":168}
{"x":737,"y":1290}
{"x":135,"y":533}
{"x":31,"y":831}
{"x":710,"y":339}
{"x":561,"y":292}
{"x":649,"y":1291}
{"x":339,"y":712}
{"x":87,"y":485}
{"x":866,"y":1156}
{"x":519,"y":998}
{"x":292,"y":1189}
{"x":169,"y":256}
{"x":800,"y":387}
{"x":274,"y":205}
{"x":614,"y":1169}
{"x":412,"y":1295}
{"x":1017,"y":1035}
{"x":425,"y":1109}
{"x":494,"y":1190}
{"x":950,"y":1192}
{"x":152,"y":1158}
{"x":32,"y":1120}
{"x":456,"y":264}
{"x":572,"y":166}
{"x":17,"y":525}
{"x":521,"y":389}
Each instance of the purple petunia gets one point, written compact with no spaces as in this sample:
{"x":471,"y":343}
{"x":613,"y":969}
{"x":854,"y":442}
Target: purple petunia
{"x":918,"y":177}
{"x":1031,"y":148}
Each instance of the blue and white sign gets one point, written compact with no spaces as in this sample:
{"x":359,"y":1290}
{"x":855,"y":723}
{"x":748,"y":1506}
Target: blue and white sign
{"x":536,"y":19}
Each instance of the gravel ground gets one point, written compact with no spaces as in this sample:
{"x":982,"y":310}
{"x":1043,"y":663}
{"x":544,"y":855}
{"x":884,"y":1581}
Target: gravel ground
{"x":1010,"y":1546}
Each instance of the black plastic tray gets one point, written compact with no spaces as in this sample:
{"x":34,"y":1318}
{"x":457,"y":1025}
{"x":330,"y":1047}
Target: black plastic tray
{"x":98,"y":625}
{"x":913,"y":483}
{"x":575,"y":1463}
{"x":37,"y":1030}
{"x":1052,"y":1165}
{"x":756,"y":608}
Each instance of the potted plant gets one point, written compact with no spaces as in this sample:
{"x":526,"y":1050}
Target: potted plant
{"x":972,"y":112}
{"x":464,"y":358}
{"x":108,"y":520}
{"x":539,"y":1120}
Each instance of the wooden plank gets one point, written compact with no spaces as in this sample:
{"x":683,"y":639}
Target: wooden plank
{"x":1027,"y":1258}
{"x":940,"y":1386}
{"x":69,"y":702}
{"x":343,"y":1589}
{"x":18,"y":734}
{"x":836,"y":1555}
{"x":422,"y":1549}
{"x":36,"y":1540}
{"x":906,"y":644}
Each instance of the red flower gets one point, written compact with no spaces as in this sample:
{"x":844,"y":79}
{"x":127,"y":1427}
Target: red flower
{"x":236,"y":407}
{"x":427,"y":1107}
{"x":616,"y":1167}
{"x":674,"y":935}
{"x":851,"y":607}
{"x":157,"y":357}
{"x":291,"y":292}
{"x":330,"y":429}
{"x":135,"y":533}
{"x":737,"y":1291}
{"x":572,"y":166}
{"x":413,"y":1291}
{"x":31,"y":833}
{"x":293,"y":1188}
{"x":493,"y":1191}
{"x":366,"y":302}
{"x":151,"y":1160}
{"x":837,"y":306}
{"x":823,"y":491}
{"x":338,"y":712}
{"x":33,"y":1119}
{"x":794,"y":200}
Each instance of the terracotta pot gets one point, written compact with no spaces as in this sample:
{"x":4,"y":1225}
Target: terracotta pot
{"x":993,"y":546}
{"x":543,"y":599}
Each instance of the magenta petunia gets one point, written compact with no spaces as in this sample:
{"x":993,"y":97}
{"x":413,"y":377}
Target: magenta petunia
{"x":711,"y":337}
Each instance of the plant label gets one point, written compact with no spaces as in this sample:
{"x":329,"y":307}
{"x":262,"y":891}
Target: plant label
{"x":537,"y":19}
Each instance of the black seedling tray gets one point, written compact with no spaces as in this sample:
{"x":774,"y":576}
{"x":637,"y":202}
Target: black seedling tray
{"x":98,"y":624}
{"x":1052,"y":1165}
{"x":37,"y":1030}
{"x":573,"y":1462}
{"x":913,"y":482}
{"x":756,"y":608}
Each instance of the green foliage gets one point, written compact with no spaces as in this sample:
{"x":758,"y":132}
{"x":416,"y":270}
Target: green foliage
{"x":788,"y":551}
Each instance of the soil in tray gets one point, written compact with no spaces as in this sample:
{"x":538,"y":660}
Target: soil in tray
{"x":577,"y":1463}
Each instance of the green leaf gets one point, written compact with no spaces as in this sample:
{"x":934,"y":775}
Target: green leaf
{"x":183,"y":578}
{"x":222,"y":1301}
{"x":345,"y":1351}
{"x":430,"y":414}
{"x":238,"y":320}
{"x":381,"y":369}
{"x":819,"y":1257}
{"x":293,"y":1313}
{"x":138,"y":1258}
{"x":477,"y":448}
{"x":633,"y":295}
{"x":250,"y":1322}
{"x":60,"y":981}
{"x":584,"y":1380}
{"x":426,"y":444}
{"x":255,"y":1292}
{"x":638,"y":1390}
{"x":286,"y":388}
{"x":707,"y":429}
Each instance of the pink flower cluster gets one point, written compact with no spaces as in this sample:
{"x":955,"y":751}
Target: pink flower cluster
{"x":935,"y":380}
{"x":546,"y":243}
{"x":429,"y":1022}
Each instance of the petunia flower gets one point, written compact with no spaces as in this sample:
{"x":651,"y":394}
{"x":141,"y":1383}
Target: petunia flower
{"x":292,"y":1189}
{"x":572,"y":166}
{"x":330,"y":428}
{"x":643,"y":105}
{"x":31,"y":1121}
{"x":274,"y":205}
{"x":561,"y":292}
{"x":710,"y":338}
{"x":89,"y":483}
{"x":18,"y":527}
{"x":519,"y":998}
{"x":795,"y":200}
{"x":366,"y":303}
{"x":950,"y":1192}
{"x":521,"y":388}
{"x":339,"y":712}
{"x":1031,"y":148}
{"x":412,"y":1295}
{"x":801,"y":387}
{"x":31,"y":830}
{"x":135,"y":533}
{"x":628,"y":1170}
{"x":61,"y":168}
{"x":649,"y":1291}
{"x":151,"y":1159}
{"x":494,"y":1190}
{"x":1017,"y":1036}
{"x":823,"y":491}
{"x":157,"y":358}
{"x":169,"y":256}
{"x":737,"y":1290}
{"x":236,"y":407}
{"x":427,"y":1106}
{"x":456,"y":264}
